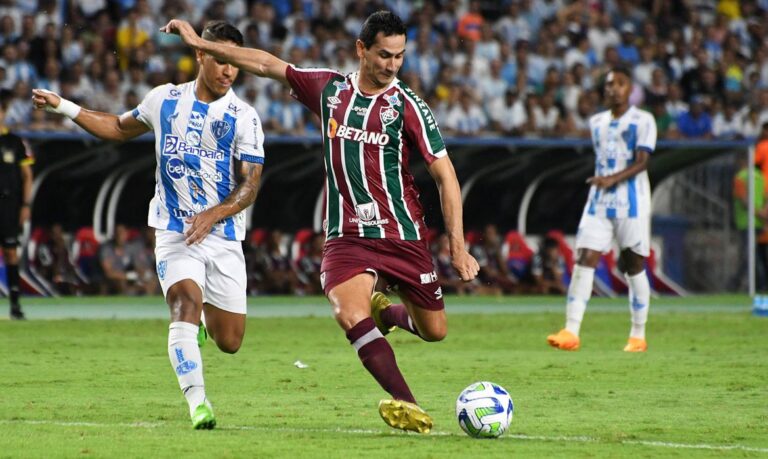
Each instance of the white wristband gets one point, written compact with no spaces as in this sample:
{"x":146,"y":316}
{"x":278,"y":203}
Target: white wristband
{"x":68,"y":108}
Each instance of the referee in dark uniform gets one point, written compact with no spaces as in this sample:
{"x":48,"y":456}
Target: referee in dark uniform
{"x":15,"y":201}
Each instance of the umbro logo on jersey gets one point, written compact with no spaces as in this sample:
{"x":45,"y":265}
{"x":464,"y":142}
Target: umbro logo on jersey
{"x":333,"y":100}
{"x":357,"y":135}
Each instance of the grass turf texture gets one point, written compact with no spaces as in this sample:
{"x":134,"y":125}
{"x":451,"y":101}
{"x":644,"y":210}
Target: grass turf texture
{"x":104,"y":388}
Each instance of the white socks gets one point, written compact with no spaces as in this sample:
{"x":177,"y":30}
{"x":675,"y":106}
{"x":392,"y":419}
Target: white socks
{"x":639,"y":301}
{"x":187,"y":362}
{"x":579,"y":293}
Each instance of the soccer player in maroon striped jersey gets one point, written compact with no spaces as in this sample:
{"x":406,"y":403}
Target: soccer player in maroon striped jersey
{"x":371,"y":123}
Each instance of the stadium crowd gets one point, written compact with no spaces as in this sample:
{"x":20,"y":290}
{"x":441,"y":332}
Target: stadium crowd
{"x":507,"y":67}
{"x":285,"y":263}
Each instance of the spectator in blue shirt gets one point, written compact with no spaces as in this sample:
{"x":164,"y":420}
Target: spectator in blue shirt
{"x":627,"y":50}
{"x":696,"y":122}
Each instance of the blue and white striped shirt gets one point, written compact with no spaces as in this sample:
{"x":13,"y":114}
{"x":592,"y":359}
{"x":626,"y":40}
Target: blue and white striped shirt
{"x":616,"y":142}
{"x":196,"y":144}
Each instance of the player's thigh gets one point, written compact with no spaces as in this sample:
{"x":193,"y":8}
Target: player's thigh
{"x":595,"y":233}
{"x":225,"y":277}
{"x":351,"y":299}
{"x":177,"y":261}
{"x":348,"y":275}
{"x":634,"y":234}
{"x":408,"y":264}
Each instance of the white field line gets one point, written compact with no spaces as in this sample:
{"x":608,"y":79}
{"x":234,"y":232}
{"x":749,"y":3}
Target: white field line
{"x":544,"y":438}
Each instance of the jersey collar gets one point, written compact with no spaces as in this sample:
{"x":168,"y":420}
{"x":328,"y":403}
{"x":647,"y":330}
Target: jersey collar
{"x":353,"y":79}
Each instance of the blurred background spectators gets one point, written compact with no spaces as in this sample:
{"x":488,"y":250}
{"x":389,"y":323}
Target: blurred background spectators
{"x":508,"y":67}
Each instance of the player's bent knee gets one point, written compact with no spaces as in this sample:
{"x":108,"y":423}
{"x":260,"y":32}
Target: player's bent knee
{"x":433,"y":334}
{"x":230,"y":344}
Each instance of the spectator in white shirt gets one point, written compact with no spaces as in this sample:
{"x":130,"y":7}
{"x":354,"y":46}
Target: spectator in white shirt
{"x":726,"y":125}
{"x":492,"y":85}
{"x":508,"y":114}
{"x":466,"y":118}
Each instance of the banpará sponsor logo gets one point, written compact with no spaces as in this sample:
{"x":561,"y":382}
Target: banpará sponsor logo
{"x":357,"y":135}
{"x":173,"y":145}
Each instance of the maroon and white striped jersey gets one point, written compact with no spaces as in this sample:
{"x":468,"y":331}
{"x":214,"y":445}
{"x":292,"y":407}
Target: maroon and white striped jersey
{"x":367,"y":140}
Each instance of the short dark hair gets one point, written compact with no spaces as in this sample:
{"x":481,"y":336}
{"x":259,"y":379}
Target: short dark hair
{"x":623,"y":70}
{"x":222,"y":31}
{"x":383,"y":21}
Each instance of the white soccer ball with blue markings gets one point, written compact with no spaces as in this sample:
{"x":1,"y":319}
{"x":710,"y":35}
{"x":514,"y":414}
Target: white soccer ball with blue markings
{"x":484,"y":410}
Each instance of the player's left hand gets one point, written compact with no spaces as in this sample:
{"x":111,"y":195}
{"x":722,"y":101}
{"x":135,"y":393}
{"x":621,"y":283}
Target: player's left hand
{"x":601,"y":182}
{"x":466,"y":265}
{"x":200,"y":226}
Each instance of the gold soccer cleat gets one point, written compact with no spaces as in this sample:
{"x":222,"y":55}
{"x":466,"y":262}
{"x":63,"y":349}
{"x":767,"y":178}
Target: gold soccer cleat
{"x":405,"y":415}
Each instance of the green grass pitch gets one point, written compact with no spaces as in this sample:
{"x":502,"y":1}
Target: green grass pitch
{"x":90,"y":377}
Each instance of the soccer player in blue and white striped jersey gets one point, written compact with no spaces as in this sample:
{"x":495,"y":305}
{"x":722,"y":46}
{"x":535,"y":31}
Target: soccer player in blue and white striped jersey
{"x":618,"y":207}
{"x":209,"y":149}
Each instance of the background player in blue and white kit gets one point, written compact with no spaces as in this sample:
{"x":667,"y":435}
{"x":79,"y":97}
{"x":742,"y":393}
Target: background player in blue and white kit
{"x":618,"y":207}
{"x":209,"y":148}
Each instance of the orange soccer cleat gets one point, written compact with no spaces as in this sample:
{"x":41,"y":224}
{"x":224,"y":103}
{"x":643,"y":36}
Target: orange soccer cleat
{"x":564,"y":340}
{"x":636,"y":345}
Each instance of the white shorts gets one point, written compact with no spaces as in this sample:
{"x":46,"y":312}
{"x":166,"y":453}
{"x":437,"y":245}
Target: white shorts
{"x":216,"y":265}
{"x":598,"y":233}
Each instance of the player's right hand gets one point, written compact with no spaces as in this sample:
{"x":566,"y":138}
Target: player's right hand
{"x":44,"y":99}
{"x":183,"y":29}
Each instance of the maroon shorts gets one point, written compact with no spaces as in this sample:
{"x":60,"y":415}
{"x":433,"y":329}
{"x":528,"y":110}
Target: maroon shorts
{"x":407,"y":264}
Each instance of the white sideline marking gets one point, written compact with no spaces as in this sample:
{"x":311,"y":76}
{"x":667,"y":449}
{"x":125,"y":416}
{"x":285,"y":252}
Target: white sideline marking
{"x":565,"y":439}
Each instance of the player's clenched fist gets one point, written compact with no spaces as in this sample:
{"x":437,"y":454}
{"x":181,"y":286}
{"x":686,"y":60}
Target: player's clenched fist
{"x":52,"y":102}
{"x":466,"y":265}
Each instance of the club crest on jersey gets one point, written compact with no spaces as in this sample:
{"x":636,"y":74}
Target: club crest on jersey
{"x":341,"y":85}
{"x":196,"y":120}
{"x":388,"y":115}
{"x":220,"y":129}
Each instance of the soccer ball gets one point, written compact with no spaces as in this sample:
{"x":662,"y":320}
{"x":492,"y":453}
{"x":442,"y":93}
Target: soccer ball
{"x":484,"y":410}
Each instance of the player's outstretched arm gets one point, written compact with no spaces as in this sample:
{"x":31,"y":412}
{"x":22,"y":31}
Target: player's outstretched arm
{"x":251,"y":60}
{"x":240,"y":198}
{"x":640,"y":164}
{"x":450,"y":200}
{"x":102,"y":125}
